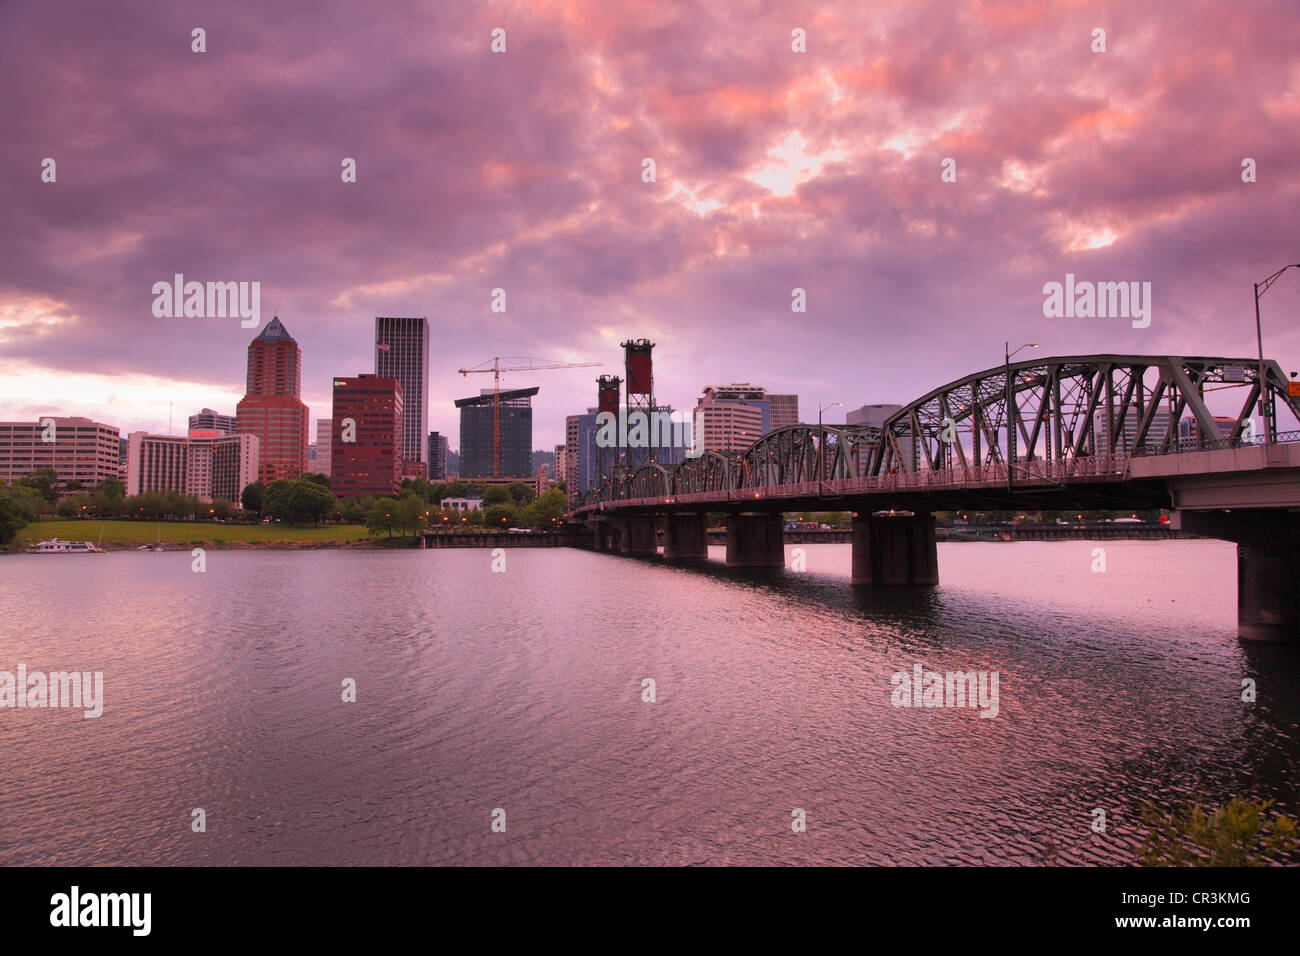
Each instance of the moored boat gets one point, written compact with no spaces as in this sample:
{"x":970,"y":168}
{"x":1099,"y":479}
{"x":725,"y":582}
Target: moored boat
{"x":55,"y":546}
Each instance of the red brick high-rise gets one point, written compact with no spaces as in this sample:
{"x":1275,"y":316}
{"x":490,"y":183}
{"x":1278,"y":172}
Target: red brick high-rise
{"x":366,"y":459}
{"x":271,"y":409}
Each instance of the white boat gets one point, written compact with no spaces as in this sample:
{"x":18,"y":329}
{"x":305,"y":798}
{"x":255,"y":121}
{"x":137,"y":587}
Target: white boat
{"x":55,"y":546}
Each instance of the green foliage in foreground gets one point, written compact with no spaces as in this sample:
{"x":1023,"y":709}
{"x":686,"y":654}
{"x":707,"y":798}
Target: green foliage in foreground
{"x":1241,"y":832}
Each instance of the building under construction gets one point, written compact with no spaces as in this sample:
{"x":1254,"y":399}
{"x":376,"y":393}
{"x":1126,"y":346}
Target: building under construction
{"x":516,"y":434}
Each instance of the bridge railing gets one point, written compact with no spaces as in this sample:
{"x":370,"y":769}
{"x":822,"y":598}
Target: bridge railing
{"x":1100,"y":467}
{"x":1190,"y":446}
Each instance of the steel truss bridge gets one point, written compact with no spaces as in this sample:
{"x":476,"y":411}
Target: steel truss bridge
{"x":1082,"y":431}
{"x":1078,"y":426}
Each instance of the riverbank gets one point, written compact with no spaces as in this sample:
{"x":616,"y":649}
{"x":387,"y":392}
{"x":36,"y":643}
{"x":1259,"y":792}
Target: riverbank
{"x":178,"y":535}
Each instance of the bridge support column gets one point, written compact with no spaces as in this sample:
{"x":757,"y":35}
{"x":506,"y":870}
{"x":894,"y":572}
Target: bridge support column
{"x":686,"y":537}
{"x":755,"y":541}
{"x":1268,"y":567}
{"x":895,"y":550}
{"x":639,"y":536}
{"x":608,"y":537}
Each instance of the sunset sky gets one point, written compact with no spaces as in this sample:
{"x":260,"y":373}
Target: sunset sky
{"x":523,"y":170}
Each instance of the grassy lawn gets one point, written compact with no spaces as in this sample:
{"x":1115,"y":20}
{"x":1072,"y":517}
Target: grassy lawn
{"x":182,"y":532}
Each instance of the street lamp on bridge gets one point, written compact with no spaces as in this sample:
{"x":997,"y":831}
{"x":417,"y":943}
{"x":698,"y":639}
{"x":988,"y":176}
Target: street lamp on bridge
{"x":1269,"y":412}
{"x":821,"y":438}
{"x":1011,"y":424}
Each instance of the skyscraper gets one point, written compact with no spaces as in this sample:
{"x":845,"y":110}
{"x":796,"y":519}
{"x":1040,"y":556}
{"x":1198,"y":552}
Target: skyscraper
{"x":324,"y":440}
{"x":476,"y":434}
{"x":210,"y":421}
{"x":785,"y":410}
{"x":776,"y":411}
{"x":271,"y":408}
{"x":733,"y":416}
{"x":402,"y":352}
{"x":366,"y":436}
{"x":1126,"y":440}
{"x":437,"y":457}
{"x":571,"y":453}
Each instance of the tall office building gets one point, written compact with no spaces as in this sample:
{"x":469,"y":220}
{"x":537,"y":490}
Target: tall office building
{"x":561,"y":465}
{"x":583,"y":457}
{"x":776,"y":411}
{"x":585,"y":466}
{"x":324,"y":440}
{"x":271,"y":409}
{"x":785,"y":410}
{"x":366,"y":436}
{"x":873,"y":415}
{"x":209,"y":421}
{"x":571,"y":454}
{"x":476,"y":434}
{"x":402,"y":352}
{"x":78,"y":449}
{"x":437,"y":457}
{"x":1127,"y":440}
{"x":208,"y":466}
{"x":1189,"y":430}
{"x":733,"y":416}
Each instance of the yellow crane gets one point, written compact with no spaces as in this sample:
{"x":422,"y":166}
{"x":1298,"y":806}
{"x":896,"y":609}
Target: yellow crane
{"x":496,"y":368}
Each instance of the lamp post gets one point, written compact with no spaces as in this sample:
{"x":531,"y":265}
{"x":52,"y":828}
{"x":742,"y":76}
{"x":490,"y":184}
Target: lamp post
{"x":821,"y":437}
{"x":1269,"y":419}
{"x":1011,"y":424}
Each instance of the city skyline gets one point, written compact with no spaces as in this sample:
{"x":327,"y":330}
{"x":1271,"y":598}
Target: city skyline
{"x":776,"y":170}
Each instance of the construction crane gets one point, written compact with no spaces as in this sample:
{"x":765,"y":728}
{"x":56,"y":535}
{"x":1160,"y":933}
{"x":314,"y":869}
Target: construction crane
{"x":533,"y":365}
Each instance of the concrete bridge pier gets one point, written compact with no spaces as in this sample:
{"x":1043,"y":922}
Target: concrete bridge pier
{"x":896,"y":549}
{"x":608,"y":537}
{"x":686,"y":537}
{"x":1268,"y":567}
{"x":755,"y":541}
{"x":638,"y":535}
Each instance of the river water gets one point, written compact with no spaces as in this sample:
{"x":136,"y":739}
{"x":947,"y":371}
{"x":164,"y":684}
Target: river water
{"x":522,"y":691}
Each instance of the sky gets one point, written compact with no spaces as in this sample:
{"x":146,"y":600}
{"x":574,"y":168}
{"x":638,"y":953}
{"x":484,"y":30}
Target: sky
{"x":523,"y":170}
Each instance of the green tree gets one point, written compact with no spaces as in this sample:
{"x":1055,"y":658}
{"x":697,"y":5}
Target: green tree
{"x":182,"y":506}
{"x":251,"y":497}
{"x":520,"y":492}
{"x":461,"y":489}
{"x":308,"y":500}
{"x":75,"y":507}
{"x":384,"y":515}
{"x":497,"y":495}
{"x":276,"y":500}
{"x":111,"y":488}
{"x":412,"y":508}
{"x":15,"y":512}
{"x":45,"y":481}
{"x":223,"y":509}
{"x":548,"y":506}
{"x":355,"y":510}
{"x":317,"y":477}
{"x":424,"y":488}
{"x":499,"y":516}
